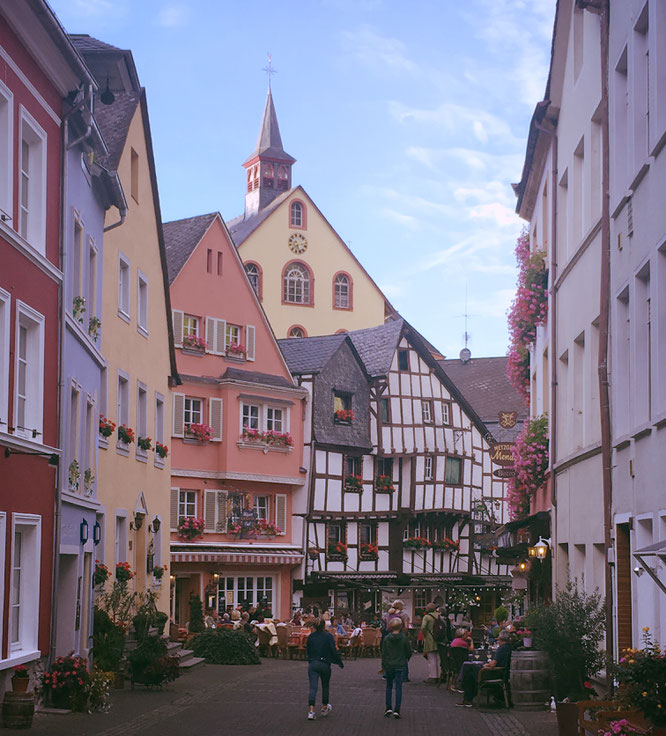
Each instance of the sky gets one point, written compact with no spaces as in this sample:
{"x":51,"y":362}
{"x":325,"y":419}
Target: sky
{"x":408,"y":122}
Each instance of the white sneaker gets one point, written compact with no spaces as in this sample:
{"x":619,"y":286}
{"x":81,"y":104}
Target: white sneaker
{"x":325,"y":711}
{"x":311,"y":716}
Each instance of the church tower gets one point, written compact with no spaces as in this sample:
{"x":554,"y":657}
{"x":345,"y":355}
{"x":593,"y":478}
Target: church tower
{"x":269,"y":166}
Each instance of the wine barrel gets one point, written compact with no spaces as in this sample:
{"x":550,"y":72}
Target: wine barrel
{"x":530,"y":679}
{"x":18,"y":710}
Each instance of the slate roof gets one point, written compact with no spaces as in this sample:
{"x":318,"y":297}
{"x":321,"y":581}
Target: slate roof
{"x":269,"y":142}
{"x":484,"y":384}
{"x":85,"y":43}
{"x":269,"y":379}
{"x":377,"y":345}
{"x":181,"y":237}
{"x":309,"y":354}
{"x":241,"y":227}
{"x":114,"y":121}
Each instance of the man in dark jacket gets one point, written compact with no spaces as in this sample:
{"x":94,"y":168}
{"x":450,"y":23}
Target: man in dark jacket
{"x":396,"y":650}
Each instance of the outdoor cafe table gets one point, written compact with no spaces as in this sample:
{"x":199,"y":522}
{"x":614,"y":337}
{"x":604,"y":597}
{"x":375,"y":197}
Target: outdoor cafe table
{"x":474,"y":663}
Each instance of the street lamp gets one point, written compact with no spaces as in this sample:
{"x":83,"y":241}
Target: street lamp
{"x":541,"y":548}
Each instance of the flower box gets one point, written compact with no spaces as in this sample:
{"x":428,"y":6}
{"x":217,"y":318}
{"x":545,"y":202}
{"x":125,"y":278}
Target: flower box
{"x":201,"y":432}
{"x":101,"y":574}
{"x":417,"y":543}
{"x":191,"y":528}
{"x":161,"y":450}
{"x":125,"y":434}
{"x":343,"y":416}
{"x":369,"y":552}
{"x":384,"y":484}
{"x":145,"y":443}
{"x":354,"y":484}
{"x":269,"y":437}
{"x":106,"y":426}
{"x":194,"y":344}
{"x":236,"y":350}
{"x":124,"y":572}
{"x":447,"y":544}
{"x":336,"y":551}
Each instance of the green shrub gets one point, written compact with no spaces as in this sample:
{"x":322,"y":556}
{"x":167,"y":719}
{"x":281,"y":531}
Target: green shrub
{"x":159,"y":621}
{"x":150,"y":663}
{"x":108,"y":642}
{"x":221,"y":646}
{"x":501,"y":614}
{"x":196,"y":614}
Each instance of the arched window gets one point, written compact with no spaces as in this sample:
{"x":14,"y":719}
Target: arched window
{"x":296,"y":331}
{"x":296,"y":215}
{"x":342,"y":291}
{"x":296,"y":284}
{"x":283,"y":177}
{"x":254,"y":275}
{"x":269,"y":175}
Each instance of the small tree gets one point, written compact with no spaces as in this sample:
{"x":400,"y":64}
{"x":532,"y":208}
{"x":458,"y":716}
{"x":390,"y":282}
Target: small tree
{"x":501,"y":614}
{"x":196,"y":614}
{"x":570,"y":631}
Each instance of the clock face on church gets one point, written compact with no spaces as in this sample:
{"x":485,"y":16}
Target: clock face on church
{"x":297,"y":243}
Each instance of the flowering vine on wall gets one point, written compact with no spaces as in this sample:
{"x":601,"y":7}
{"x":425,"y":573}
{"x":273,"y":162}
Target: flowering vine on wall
{"x":530,"y":455}
{"x":528,"y":310}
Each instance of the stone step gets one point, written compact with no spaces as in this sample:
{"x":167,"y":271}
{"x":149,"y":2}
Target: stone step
{"x":190,"y":663}
{"x":182,"y":654}
{"x":173,"y":646}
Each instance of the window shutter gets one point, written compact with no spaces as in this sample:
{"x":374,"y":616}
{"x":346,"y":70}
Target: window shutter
{"x":249,"y":341}
{"x":221,"y":525}
{"x":220,"y":335}
{"x":178,"y":415}
{"x":210,"y":504}
{"x":281,"y":512}
{"x":215,"y":418}
{"x":177,"y":318}
{"x":210,"y":335}
{"x":175,"y":492}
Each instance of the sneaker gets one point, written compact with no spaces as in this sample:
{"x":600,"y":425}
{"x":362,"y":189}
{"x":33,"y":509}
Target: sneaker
{"x":311,"y":716}
{"x":396,"y":714}
{"x":388,"y":713}
{"x":464,"y":704}
{"x":326,"y":710}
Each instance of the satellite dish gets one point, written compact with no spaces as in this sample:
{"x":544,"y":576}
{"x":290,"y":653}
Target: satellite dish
{"x":465,"y":355}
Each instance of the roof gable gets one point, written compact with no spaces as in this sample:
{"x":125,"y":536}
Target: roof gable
{"x":181,"y":237}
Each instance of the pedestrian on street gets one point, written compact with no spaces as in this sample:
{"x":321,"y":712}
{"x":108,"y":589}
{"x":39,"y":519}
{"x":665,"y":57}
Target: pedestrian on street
{"x":430,"y":648}
{"x":322,"y":652}
{"x":396,"y":651}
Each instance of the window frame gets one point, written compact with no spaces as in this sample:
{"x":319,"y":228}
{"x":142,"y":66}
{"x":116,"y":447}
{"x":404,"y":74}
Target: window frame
{"x":429,"y":472}
{"x":297,"y":327}
{"x":403,"y":353}
{"x":356,"y":467}
{"x":350,"y":292}
{"x":372,"y":536}
{"x":427,"y":404}
{"x":271,"y":421}
{"x":5,"y":341}
{"x":6,"y":150}
{"x":197,"y":322}
{"x":381,"y":466}
{"x":459,"y":459}
{"x":185,"y":501}
{"x":265,"y":505}
{"x":229,"y":330}
{"x":384,"y":401}
{"x":191,"y":410}
{"x":142,"y":304}
{"x":27,"y":313}
{"x":124,"y":298}
{"x":303,"y":215}
{"x":308,"y":282}
{"x":258,"y":275}
{"x":33,"y":580}
{"x":447,"y":408}
{"x":35,"y":233}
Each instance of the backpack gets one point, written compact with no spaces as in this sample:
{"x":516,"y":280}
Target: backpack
{"x":440,"y":630}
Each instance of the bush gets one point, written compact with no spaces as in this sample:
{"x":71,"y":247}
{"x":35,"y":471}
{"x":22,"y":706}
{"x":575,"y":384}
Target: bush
{"x":108,"y":642}
{"x":570,"y":631}
{"x":196,"y":614}
{"x":150,"y":663}
{"x":159,"y":621}
{"x":221,"y":646}
{"x":501,"y":614}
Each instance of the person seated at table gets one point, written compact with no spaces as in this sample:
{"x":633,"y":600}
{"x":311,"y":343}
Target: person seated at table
{"x":236,"y":619}
{"x":470,"y":678}
{"x":296,"y":619}
{"x":247,"y":627}
{"x":337,"y":627}
{"x":209,"y":620}
{"x":492,"y":630}
{"x":463,"y":639}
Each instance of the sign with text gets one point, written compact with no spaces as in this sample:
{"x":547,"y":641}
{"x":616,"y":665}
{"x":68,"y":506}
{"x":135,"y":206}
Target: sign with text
{"x":504,"y":473}
{"x":501,"y":453}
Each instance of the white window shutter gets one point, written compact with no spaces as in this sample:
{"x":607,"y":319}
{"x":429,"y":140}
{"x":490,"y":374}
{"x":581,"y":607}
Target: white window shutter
{"x":215,"y":418}
{"x":175,"y":494}
{"x":177,"y":316}
{"x":210,"y":503}
{"x":221,"y":525}
{"x":211,"y":335}
{"x":220,"y":336}
{"x":178,"y":415}
{"x":281,"y":512}
{"x":249,"y":341}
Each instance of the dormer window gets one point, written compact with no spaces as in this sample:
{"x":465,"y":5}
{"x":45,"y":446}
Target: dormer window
{"x":269,"y":176}
{"x":283,"y":178}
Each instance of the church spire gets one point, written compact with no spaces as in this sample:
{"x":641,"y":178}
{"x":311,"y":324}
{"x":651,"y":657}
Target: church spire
{"x":269,"y":165}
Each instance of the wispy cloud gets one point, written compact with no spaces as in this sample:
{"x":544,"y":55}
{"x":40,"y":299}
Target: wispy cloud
{"x":173,"y":15}
{"x":377,"y":51}
{"x":97,"y":8}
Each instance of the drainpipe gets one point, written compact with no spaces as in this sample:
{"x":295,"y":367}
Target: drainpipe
{"x":553,"y":359}
{"x":123,"y":215}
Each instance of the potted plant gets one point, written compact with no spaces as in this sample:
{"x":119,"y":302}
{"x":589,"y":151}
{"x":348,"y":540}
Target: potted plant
{"x":196,"y":614}
{"x":313,"y":553}
{"x":201,"y":432}
{"x":501,"y":614}
{"x":268,"y":529}
{"x":108,"y":645}
{"x":384,"y":484}
{"x":570,"y":631}
{"x":66,"y":683}
{"x":74,"y":475}
{"x":161,"y":450}
{"x":526,"y":636}
{"x":125,"y":434}
{"x":106,"y":426}
{"x":150,"y":663}
{"x":641,"y":674}
{"x":191,"y":528}
{"x":124,"y":572}
{"x":20,"y":679}
{"x":94,"y":323}
{"x":158,"y":571}
{"x":145,"y":443}
{"x":354,"y":483}
{"x":78,"y":308}
{"x":194,"y":344}
{"x":101,"y":574}
{"x":623,"y":728}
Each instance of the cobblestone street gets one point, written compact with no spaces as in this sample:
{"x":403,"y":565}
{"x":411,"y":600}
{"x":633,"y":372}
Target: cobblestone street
{"x":271,"y":699}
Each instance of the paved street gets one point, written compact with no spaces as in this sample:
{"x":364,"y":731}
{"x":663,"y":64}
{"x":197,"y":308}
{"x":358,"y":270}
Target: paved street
{"x":271,"y":699}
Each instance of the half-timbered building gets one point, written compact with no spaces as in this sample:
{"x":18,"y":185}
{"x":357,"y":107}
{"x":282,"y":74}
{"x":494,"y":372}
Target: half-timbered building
{"x":396,"y":467}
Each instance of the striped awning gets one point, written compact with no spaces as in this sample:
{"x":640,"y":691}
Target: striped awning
{"x":240,"y":555}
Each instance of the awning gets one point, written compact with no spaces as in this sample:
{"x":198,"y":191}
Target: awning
{"x":240,"y":555}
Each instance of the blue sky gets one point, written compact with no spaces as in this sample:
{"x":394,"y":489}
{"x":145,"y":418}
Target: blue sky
{"x":408,"y":123}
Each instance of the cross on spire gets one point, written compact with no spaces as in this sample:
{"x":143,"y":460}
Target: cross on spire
{"x":269,"y":69}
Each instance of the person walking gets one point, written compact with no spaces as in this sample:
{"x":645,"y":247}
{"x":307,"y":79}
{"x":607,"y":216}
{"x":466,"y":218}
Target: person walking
{"x":396,"y":651}
{"x":321,"y":652}
{"x":430,"y":648}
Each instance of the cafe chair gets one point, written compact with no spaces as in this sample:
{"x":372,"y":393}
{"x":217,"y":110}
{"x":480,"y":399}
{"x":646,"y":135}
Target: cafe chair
{"x":496,"y":678}
{"x":457,"y":656}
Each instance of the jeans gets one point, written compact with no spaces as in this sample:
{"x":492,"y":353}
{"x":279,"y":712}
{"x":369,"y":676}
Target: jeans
{"x":318,"y":669}
{"x":391,"y":677}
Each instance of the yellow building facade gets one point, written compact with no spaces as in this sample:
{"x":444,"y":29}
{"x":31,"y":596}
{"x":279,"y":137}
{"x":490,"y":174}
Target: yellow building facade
{"x":308,"y":280}
{"x":134,"y":481}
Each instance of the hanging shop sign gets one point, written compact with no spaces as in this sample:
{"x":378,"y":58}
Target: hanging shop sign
{"x":504,"y":473}
{"x":508,"y":419}
{"x":501,"y":453}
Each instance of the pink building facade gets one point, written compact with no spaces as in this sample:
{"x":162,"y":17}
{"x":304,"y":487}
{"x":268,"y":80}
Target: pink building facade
{"x":237,"y":435}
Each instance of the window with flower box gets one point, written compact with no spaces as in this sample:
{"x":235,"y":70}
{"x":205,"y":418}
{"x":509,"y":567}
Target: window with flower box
{"x":342,"y":408}
{"x":261,"y":508}
{"x":193,"y":410}
{"x":336,"y":541}
{"x":353,"y":474}
{"x":367,"y":541}
{"x":265,"y":425}
{"x":232,"y":335}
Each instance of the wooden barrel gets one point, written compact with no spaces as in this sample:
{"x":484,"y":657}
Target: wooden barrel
{"x":18,"y":710}
{"x":530,"y":679}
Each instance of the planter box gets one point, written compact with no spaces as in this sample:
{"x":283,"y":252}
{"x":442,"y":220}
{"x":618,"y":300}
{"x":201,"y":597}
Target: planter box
{"x":199,"y":352}
{"x":384,"y":490}
{"x":336,"y":558}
